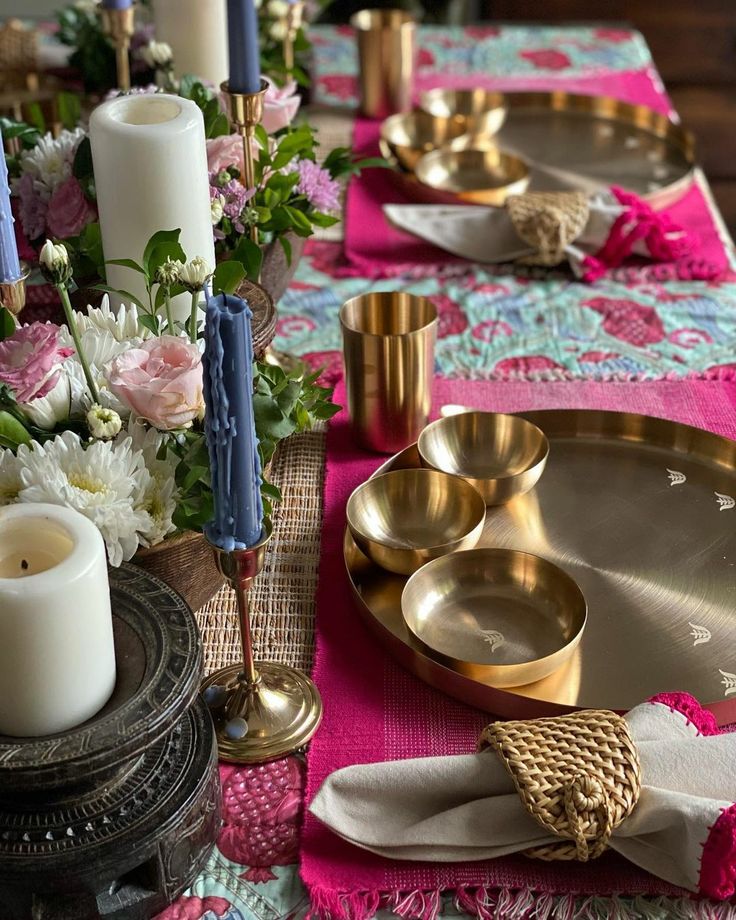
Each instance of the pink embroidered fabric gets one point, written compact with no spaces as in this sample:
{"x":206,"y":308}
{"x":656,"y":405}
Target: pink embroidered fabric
{"x":376,"y":711}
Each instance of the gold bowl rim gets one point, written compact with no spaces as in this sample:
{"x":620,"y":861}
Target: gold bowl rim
{"x":562,"y":653}
{"x":370,"y":484}
{"x":447,"y":420}
{"x":513,"y":185}
{"x":427,"y":97}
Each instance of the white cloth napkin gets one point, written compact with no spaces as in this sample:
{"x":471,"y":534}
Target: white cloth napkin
{"x":466,"y":807}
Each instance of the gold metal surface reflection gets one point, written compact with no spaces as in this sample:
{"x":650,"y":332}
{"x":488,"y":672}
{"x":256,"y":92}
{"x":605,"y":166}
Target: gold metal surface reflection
{"x":501,"y":455}
{"x":638,"y":511}
{"x":496,"y":615}
{"x":406,"y":518}
{"x":478,"y":111}
{"x":476,"y":176}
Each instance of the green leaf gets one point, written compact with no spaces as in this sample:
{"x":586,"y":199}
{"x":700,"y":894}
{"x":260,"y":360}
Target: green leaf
{"x":323,"y":220}
{"x":302,"y":224}
{"x":12,"y":433}
{"x":126,"y":263}
{"x":161,"y":253}
{"x":161,"y":236}
{"x":270,"y":420}
{"x":286,"y":246}
{"x":69,"y":109}
{"x":82,"y":166}
{"x":124,"y":295}
{"x":7,"y":324}
{"x":250,"y":256}
{"x":35,"y":116}
{"x":227,"y":277}
{"x":150,"y":321}
{"x":261,"y":136}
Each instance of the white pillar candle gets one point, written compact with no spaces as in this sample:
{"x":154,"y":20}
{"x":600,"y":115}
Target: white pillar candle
{"x":197,"y":33}
{"x":57,"y":655}
{"x":150,"y":165}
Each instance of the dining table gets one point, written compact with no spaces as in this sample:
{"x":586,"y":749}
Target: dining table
{"x":525,"y":331}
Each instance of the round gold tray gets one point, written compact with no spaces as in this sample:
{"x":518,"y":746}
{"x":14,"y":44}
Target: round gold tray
{"x":587,"y":142}
{"x":640,"y":512}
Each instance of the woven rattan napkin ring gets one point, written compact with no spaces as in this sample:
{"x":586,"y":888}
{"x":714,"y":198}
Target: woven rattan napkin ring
{"x":578,"y":776}
{"x":548,"y":221}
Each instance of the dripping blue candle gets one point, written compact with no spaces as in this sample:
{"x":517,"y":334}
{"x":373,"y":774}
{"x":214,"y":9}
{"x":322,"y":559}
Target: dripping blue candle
{"x":230,"y":429}
{"x":9,"y":264}
{"x":245,"y":55}
{"x":117,"y":4}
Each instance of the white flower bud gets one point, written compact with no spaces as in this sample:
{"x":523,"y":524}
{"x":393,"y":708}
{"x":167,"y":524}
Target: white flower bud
{"x":195,"y":273}
{"x":217,"y":211}
{"x":168,"y":273}
{"x":54,"y":262}
{"x":277,"y":30}
{"x":103,"y":423}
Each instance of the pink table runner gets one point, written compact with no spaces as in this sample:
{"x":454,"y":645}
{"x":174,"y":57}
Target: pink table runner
{"x":375,"y":248}
{"x":376,"y":711}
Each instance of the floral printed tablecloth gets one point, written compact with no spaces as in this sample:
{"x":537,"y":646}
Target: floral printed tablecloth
{"x":491,"y":324}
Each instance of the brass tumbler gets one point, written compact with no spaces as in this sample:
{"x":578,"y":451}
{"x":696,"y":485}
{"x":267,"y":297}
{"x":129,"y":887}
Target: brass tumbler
{"x":388,"y":345}
{"x":386,"y":53}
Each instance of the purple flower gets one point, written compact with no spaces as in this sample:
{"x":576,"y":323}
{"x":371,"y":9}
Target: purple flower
{"x":318,"y":185}
{"x":32,"y":207}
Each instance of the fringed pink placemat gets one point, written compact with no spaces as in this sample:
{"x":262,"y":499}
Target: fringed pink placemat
{"x":375,"y":711}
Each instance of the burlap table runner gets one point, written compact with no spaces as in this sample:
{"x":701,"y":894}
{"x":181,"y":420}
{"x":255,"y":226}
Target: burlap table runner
{"x":283,"y":595}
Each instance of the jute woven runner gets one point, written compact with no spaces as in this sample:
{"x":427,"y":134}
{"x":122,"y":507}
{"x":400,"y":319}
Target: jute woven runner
{"x":282,"y":599}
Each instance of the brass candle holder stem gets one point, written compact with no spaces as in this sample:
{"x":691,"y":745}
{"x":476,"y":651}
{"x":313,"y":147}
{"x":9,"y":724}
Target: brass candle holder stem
{"x":13,"y":293}
{"x":245,"y":111}
{"x":292,"y":23}
{"x":119,"y":26}
{"x":261,"y":710}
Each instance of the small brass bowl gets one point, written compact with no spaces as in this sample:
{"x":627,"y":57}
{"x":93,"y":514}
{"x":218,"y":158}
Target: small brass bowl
{"x":406,"y":137}
{"x":501,"y":455}
{"x":499,"y":616}
{"x":479,"y":111}
{"x":402,"y":520}
{"x":476,"y":176}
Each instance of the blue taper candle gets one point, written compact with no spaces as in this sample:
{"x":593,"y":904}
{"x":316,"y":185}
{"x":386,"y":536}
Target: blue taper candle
{"x":9,"y":264}
{"x":235,"y":465}
{"x":117,"y":4}
{"x":245,"y":56}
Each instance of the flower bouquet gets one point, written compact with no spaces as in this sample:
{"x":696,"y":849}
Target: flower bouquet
{"x":104,"y":414}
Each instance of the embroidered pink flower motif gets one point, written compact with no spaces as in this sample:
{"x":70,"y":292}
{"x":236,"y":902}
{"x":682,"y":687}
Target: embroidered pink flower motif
{"x":491,"y":328}
{"x":294,"y":326}
{"x":69,"y":211}
{"x":425,"y":59}
{"x":690,"y":338}
{"x":339,"y":85}
{"x":261,"y":811}
{"x":452,"y":320}
{"x":547,"y":59}
{"x":629,"y":321}
{"x":481,"y":32}
{"x":345,"y":29}
{"x":597,"y":357}
{"x":161,"y":381}
{"x":488,"y":287}
{"x":614,"y":35}
{"x":30,"y":361}
{"x":194,"y":908}
{"x":527,"y":364}
{"x":280,"y":105}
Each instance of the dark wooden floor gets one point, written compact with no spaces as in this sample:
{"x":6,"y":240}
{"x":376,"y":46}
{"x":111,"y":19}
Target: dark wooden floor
{"x":693,"y":43}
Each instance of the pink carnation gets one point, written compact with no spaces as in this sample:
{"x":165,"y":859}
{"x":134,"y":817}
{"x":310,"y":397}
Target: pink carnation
{"x":161,"y":381}
{"x":69,"y":211}
{"x":31,"y":208}
{"x":30,"y":361}
{"x":318,"y":185}
{"x":280,"y":105}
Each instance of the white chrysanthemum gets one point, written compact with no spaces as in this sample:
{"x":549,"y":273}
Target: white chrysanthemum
{"x":159,"y":499}
{"x":105,"y":482}
{"x":100,"y":346}
{"x":10,"y":484}
{"x":50,"y":161}
{"x":156,"y":54}
{"x":123,"y":325}
{"x":56,"y":406}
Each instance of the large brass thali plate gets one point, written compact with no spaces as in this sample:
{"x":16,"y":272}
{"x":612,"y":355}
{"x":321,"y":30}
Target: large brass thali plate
{"x":641,"y":512}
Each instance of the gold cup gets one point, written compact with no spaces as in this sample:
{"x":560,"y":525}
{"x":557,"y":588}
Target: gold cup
{"x":403,"y":519}
{"x":388,"y":347}
{"x":386,"y":52}
{"x":502,"y":456}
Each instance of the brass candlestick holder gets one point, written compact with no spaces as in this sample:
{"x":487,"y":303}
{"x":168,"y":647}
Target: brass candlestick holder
{"x":245,"y":111}
{"x":13,"y":293}
{"x":292,"y":22}
{"x":119,"y":26}
{"x":261,"y":710}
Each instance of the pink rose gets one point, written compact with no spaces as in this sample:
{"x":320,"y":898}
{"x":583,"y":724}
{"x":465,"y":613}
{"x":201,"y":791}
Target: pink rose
{"x":280,"y":105}
{"x":69,"y":211}
{"x":161,"y":381}
{"x":30,"y":361}
{"x":224,"y":151}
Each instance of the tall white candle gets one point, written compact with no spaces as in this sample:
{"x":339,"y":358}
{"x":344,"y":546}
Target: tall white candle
{"x":57,"y":655}
{"x":150,"y":165}
{"x":197,"y":33}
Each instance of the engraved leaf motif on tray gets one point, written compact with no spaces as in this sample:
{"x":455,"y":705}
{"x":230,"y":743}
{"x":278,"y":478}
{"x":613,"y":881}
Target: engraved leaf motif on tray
{"x":700,"y":634}
{"x":725,"y":502}
{"x":729,"y":682}
{"x":676,"y":477}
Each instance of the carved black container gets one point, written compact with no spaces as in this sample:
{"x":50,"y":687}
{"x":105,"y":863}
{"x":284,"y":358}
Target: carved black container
{"x":113,"y":819}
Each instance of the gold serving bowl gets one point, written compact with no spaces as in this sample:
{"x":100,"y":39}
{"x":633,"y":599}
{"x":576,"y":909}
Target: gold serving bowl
{"x":502,"y":456}
{"x":402,"y":520}
{"x":406,"y":137}
{"x":499,"y":616}
{"x":479,"y":111}
{"x":476,"y":176}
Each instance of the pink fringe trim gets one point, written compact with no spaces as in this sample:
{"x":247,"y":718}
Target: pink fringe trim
{"x":718,"y":861}
{"x":703,"y":719}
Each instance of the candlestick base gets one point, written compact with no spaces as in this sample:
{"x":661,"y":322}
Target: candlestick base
{"x":261,"y":721}
{"x":13,"y":293}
